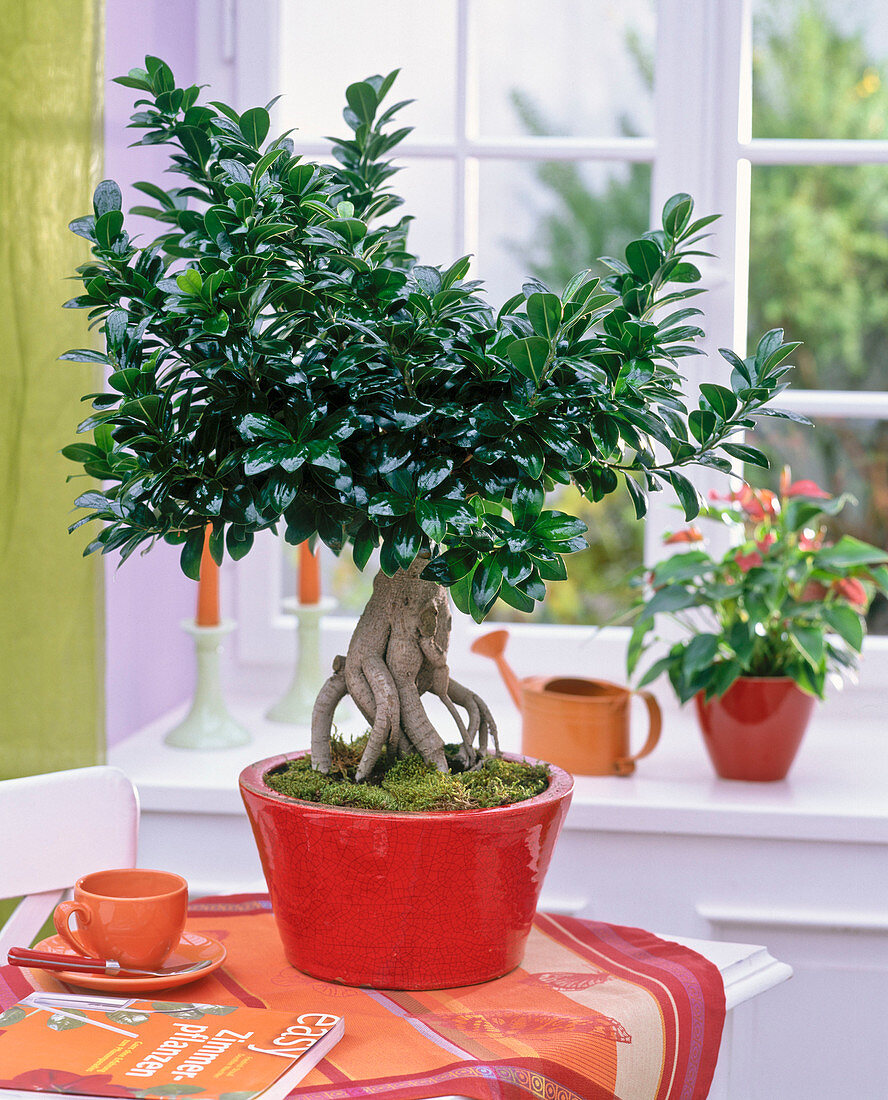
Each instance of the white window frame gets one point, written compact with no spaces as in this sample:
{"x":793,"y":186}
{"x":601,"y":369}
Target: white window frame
{"x":702,"y":144}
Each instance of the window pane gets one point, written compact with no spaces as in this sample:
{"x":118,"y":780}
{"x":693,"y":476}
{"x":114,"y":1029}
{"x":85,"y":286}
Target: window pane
{"x":325,"y":47}
{"x":427,"y":187}
{"x":819,"y":69}
{"x":554,"y":218}
{"x":568,"y":67}
{"x":842,"y":456}
{"x":551,"y":219}
{"x":819,"y":270}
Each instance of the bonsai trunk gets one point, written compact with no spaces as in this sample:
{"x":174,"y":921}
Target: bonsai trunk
{"x":397,"y":653}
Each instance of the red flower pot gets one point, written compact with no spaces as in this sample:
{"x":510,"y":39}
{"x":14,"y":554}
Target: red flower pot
{"x":754,"y":730}
{"x":403,"y":900}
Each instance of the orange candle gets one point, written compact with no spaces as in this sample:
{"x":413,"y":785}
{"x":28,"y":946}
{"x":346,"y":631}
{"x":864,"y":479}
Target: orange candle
{"x":309,"y":575}
{"x":208,"y":586}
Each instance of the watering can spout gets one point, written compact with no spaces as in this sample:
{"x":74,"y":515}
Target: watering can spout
{"x":493,"y":645}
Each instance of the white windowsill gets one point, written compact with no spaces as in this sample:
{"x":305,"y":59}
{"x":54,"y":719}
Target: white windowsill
{"x":837,"y":790}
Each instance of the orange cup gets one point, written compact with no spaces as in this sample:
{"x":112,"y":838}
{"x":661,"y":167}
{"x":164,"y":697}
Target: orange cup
{"x":131,"y":915}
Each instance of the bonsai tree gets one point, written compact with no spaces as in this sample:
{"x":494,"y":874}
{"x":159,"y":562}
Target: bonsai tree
{"x":280,"y":361}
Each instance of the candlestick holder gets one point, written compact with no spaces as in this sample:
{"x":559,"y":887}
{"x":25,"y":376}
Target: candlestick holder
{"x":207,"y":725}
{"x":296,"y":704}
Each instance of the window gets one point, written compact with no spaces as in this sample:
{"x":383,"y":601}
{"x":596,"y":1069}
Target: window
{"x":819,"y":202}
{"x":527,"y":115}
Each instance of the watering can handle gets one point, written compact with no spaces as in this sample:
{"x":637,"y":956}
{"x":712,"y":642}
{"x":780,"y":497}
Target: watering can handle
{"x":626,"y":765}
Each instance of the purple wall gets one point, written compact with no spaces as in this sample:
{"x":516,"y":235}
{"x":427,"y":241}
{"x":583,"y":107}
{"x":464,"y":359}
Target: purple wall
{"x":149,"y":661}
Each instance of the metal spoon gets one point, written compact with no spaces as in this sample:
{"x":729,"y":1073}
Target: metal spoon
{"x":48,"y":960}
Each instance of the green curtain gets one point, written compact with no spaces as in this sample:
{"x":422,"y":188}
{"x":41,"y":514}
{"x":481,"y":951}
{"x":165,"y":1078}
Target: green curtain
{"x":51,"y":634}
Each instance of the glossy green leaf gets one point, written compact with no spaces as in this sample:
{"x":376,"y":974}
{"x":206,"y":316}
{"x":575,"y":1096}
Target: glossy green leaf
{"x":686,"y":493}
{"x":192,"y":549}
{"x":722,"y":400}
{"x":702,"y":424}
{"x":254,"y":125}
{"x":108,"y":227}
{"x":745,"y":453}
{"x":644,"y":258}
{"x":846,"y":622}
{"x":263,"y":165}
{"x":363,"y":101}
{"x":809,"y":642}
{"x":677,"y":214}
{"x":106,"y":197}
{"x":527,"y":503}
{"x":514,"y":597}
{"x":639,"y":500}
{"x":429,"y":278}
{"x":190,"y":281}
{"x":530,"y":356}
{"x":256,"y":426}
{"x":195,"y":143}
{"x":486,"y":583}
{"x":544,"y":314}
{"x":700,"y":652}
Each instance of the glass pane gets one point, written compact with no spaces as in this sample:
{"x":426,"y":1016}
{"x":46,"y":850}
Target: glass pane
{"x":596,"y":590}
{"x":325,"y":47}
{"x":567,"y":67}
{"x":427,"y":187}
{"x":842,"y":456}
{"x":820,"y":69}
{"x":819,"y":269}
{"x":554,"y":218}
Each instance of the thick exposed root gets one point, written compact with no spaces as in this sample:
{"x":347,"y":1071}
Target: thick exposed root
{"x":480,"y":719}
{"x":388,"y":712}
{"x":333,"y":691}
{"x":397,"y":653}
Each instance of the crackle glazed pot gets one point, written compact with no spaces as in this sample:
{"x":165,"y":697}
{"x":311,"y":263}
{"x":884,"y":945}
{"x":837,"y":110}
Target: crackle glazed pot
{"x":403,"y":900}
{"x":754,"y":730}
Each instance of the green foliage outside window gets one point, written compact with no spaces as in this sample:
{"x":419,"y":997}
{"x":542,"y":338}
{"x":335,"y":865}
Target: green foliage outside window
{"x":826,"y":226}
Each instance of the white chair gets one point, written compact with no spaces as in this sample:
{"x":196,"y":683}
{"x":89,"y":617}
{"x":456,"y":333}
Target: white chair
{"x":55,"y":828}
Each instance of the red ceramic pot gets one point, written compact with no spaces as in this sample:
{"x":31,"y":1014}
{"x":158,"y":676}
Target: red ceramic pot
{"x":403,"y":900}
{"x":754,"y":730}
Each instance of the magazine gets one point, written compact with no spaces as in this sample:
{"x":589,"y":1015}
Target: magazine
{"x":112,"y":1046}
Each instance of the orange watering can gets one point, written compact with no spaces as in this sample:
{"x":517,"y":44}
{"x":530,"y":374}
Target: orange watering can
{"x":580,"y":724}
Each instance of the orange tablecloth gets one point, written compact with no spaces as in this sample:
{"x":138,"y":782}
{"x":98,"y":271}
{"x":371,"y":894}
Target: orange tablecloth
{"x":595,"y":1011}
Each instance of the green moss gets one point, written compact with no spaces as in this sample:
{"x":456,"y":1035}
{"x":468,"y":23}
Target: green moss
{"x":409,"y":783}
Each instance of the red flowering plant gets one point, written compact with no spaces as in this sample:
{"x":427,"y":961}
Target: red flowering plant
{"x":782,"y":602}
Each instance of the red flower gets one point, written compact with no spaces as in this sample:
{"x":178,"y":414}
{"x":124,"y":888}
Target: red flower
{"x":809,"y":541}
{"x":757,"y":504}
{"x":806,"y":489}
{"x":813,"y":591}
{"x":689,"y":534}
{"x":850,"y":589}
{"x":768,"y":539}
{"x":748,"y":561}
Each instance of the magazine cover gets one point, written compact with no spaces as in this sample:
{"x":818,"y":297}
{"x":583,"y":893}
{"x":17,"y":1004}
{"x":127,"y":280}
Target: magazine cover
{"x":110,"y":1046}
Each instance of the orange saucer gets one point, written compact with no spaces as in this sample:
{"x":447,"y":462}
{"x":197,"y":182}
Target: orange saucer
{"x":191,"y":948}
